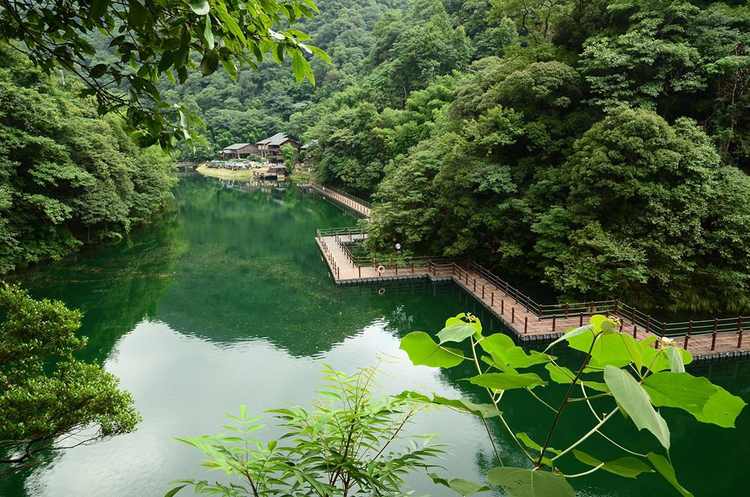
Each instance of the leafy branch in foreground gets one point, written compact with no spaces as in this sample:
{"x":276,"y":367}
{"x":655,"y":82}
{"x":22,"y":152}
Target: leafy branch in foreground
{"x":348,"y":444}
{"x":151,"y":39}
{"x":617,"y":374}
{"x":49,"y":400}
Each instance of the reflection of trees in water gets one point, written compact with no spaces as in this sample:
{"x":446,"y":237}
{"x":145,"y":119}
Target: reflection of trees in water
{"x":115,"y":286}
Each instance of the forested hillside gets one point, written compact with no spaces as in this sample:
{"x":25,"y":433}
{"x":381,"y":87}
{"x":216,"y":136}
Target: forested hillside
{"x":258,"y":103}
{"x":598,"y":146}
{"x":67,"y":175}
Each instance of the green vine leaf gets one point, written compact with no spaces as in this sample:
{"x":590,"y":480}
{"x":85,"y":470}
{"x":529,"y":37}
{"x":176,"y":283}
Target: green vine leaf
{"x":520,"y":482}
{"x":707,"y":402}
{"x":457,"y":330}
{"x":507,"y":381}
{"x":628,"y":466}
{"x":423,"y":351}
{"x":635,"y":402}
{"x":506,"y":354}
{"x":460,"y":486}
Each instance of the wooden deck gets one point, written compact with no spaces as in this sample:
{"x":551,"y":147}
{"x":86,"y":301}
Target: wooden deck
{"x":522,"y":317}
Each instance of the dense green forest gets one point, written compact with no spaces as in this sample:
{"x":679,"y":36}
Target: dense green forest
{"x":67,"y":175}
{"x":600,"y":147}
{"x":259,"y":102}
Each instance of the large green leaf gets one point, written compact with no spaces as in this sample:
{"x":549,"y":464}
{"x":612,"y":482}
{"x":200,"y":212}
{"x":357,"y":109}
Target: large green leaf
{"x":610,"y":349}
{"x":664,"y":467}
{"x":709,"y":403}
{"x":507,"y":381}
{"x":567,"y":336}
{"x":457,"y":330}
{"x":628,"y":466}
{"x":506,"y":354}
{"x":634,"y":401}
{"x":460,"y":486}
{"x":662,"y":359}
{"x":520,"y":482}
{"x":423,"y":351}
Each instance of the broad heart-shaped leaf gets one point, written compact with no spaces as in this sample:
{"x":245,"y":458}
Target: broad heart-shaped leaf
{"x":602,"y":324}
{"x":587,"y":329}
{"x":507,"y":381}
{"x":456,"y":332}
{"x":423,"y":351}
{"x":506,"y":354}
{"x":200,"y":7}
{"x":633,"y":399}
{"x":520,"y":482}
{"x":664,"y":467}
{"x":661,"y":359}
{"x":628,"y":466}
{"x":709,"y":403}
{"x":460,"y":486}
{"x":610,"y":348}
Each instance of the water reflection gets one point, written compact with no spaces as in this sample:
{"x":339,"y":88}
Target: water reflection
{"x":226,"y":301}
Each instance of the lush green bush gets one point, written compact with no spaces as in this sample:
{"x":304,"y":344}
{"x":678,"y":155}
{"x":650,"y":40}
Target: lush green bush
{"x":49,"y":399}
{"x":67,"y":176}
{"x":348,"y":444}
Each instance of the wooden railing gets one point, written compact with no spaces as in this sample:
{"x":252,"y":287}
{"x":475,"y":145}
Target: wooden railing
{"x":631,"y":318}
{"x":356,"y":204}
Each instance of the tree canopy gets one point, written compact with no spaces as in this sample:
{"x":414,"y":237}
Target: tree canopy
{"x":45,"y":392}
{"x":598,"y":147}
{"x":146,"y":41}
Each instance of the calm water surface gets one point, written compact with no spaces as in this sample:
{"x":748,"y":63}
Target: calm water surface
{"x":228,"y":302}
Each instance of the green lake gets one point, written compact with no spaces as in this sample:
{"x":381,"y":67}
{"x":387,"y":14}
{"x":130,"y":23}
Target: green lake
{"x":226,"y":301}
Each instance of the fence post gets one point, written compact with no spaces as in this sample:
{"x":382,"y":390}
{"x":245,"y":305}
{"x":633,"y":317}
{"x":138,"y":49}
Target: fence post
{"x":554,"y":323}
{"x":492,"y":299}
{"x":713,"y":335}
{"x":412,"y":267}
{"x":525,"y":325}
{"x":635,"y":330}
{"x":502,"y":307}
{"x":482,"y":292}
{"x":475,"y":285}
{"x":739,"y":335}
{"x":512,"y":314}
{"x":580,"y":320}
{"x":687,"y":337}
{"x":359,"y":271}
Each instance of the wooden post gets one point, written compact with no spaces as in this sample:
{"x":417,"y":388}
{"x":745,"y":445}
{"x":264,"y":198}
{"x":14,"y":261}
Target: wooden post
{"x":502,"y":307}
{"x":512,"y":314}
{"x":580,"y":320}
{"x":525,"y":324}
{"x":412,"y":267}
{"x":359,"y":271}
{"x":475,"y":285}
{"x":482,"y":292}
{"x":713,"y":335}
{"x":687,"y":337}
{"x":397,"y":269}
{"x":492,"y":299}
{"x":566,"y":310}
{"x":739,"y":335}
{"x":635,"y":330}
{"x":554,"y":323}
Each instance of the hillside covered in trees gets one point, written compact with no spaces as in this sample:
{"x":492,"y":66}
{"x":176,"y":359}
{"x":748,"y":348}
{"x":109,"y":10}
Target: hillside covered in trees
{"x":601,"y":147}
{"x":67,"y":175}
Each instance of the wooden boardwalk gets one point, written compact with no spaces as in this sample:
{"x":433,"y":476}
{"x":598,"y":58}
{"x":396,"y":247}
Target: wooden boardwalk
{"x":529,"y":321}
